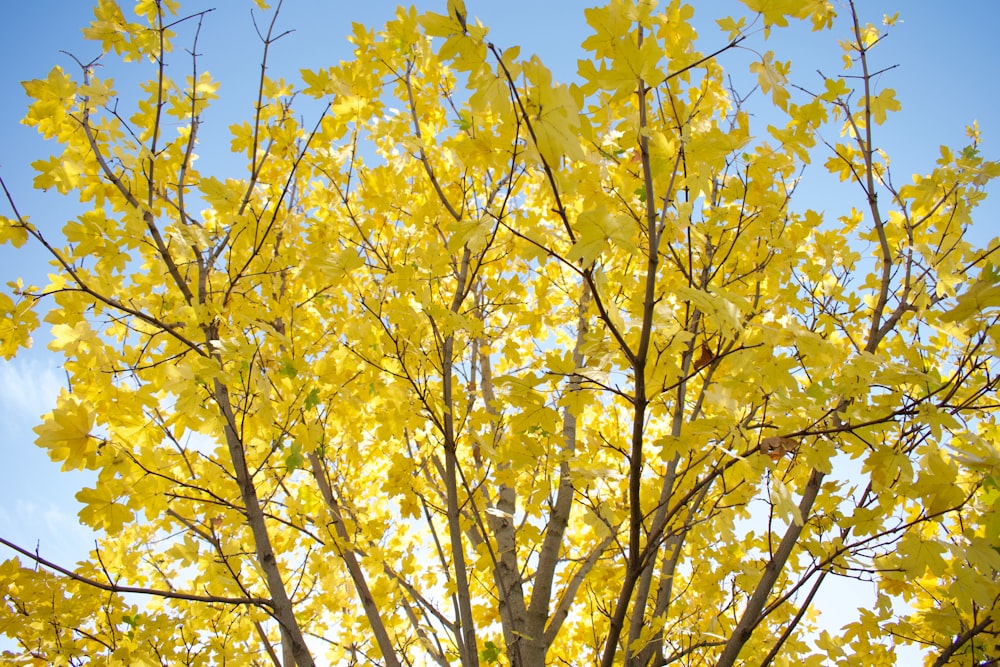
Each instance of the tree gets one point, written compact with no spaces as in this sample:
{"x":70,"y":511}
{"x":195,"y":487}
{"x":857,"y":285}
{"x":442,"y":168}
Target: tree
{"x":475,"y":367}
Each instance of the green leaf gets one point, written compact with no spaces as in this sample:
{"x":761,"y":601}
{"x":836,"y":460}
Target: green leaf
{"x":490,"y":653}
{"x":287,"y":369}
{"x":294,"y":459}
{"x":312,"y":399}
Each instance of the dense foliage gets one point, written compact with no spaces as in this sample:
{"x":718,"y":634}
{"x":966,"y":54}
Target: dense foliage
{"x":476,"y":367}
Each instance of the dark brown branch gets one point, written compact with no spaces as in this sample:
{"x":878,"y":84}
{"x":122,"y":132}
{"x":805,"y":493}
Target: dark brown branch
{"x":116,"y":588}
{"x":961,"y":641}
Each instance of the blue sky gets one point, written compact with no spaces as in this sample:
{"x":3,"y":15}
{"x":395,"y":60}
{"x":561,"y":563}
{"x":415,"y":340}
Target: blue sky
{"x":947,"y":55}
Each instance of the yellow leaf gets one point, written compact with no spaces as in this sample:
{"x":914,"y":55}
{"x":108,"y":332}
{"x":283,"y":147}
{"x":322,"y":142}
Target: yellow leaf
{"x":65,"y":432}
{"x":456,"y":10}
{"x":102,"y":510}
{"x":917,"y":555}
{"x":883,"y":103}
{"x":731,"y":27}
{"x":12,"y":232}
{"x":771,"y":77}
{"x":836,"y":88}
{"x":784,"y":505}
{"x":440,"y":25}
{"x":17,"y":321}
{"x":983,"y":294}
{"x":54,"y":97}
{"x":97,"y":92}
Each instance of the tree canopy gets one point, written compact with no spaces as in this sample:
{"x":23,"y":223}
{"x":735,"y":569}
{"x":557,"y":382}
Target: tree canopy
{"x":470,"y":366}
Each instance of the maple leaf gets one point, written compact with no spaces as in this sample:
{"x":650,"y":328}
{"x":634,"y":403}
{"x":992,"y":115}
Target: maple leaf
{"x":771,"y":76}
{"x":65,"y":432}
{"x":102,"y":510}
{"x":883,"y":103}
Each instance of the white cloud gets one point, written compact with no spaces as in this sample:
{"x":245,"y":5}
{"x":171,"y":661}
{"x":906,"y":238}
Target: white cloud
{"x":37,"y":505}
{"x":52,"y":530}
{"x":28,"y":388}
